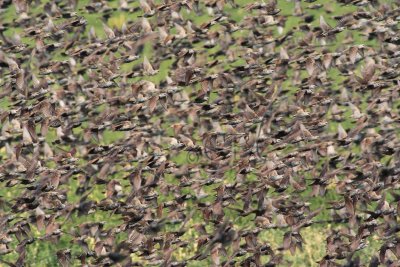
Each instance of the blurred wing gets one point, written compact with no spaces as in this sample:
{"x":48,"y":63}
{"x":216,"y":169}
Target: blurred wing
{"x":148,"y":68}
{"x":324,"y":26}
{"x":153,"y":103}
{"x":368,"y":72}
